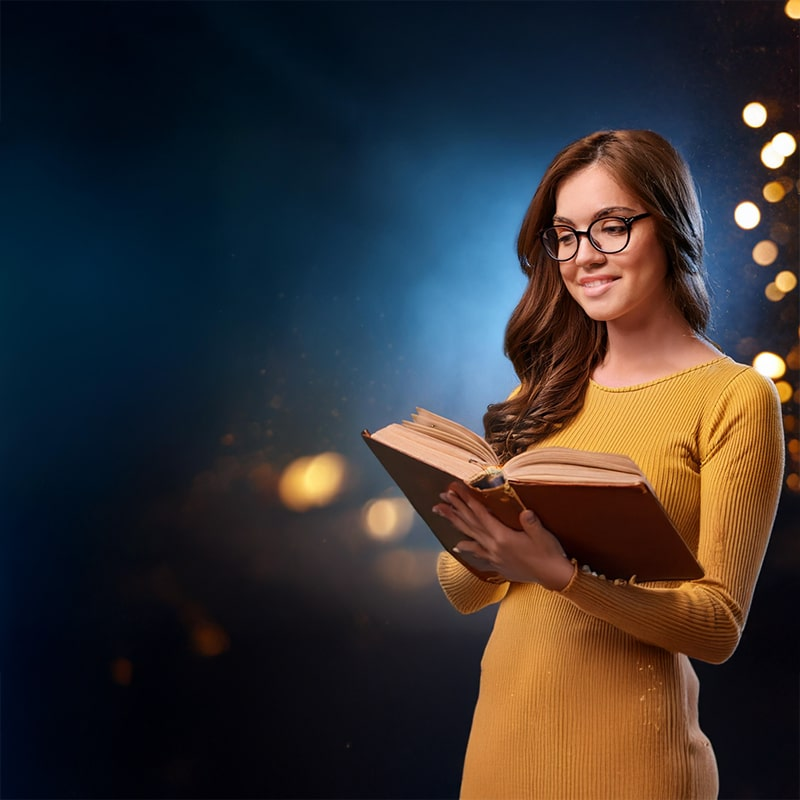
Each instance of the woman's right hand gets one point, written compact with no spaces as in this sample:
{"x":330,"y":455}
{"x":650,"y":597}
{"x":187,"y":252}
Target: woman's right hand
{"x":532,"y":555}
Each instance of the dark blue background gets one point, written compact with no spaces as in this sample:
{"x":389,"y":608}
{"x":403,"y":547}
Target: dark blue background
{"x":286,"y":222}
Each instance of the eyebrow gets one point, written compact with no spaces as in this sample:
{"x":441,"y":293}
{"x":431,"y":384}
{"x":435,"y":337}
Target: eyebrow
{"x":603,"y":212}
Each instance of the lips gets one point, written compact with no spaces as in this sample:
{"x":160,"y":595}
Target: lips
{"x":600,"y":280}
{"x":596,"y":285}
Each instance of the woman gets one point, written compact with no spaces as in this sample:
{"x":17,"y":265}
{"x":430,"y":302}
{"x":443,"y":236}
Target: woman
{"x":586,"y":686}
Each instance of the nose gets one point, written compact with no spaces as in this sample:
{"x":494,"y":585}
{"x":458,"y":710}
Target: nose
{"x":587,"y":255}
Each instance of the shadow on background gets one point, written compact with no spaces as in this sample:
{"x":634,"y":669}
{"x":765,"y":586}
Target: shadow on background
{"x":236,"y":234}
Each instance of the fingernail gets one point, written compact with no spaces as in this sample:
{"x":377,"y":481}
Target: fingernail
{"x":456,"y":550}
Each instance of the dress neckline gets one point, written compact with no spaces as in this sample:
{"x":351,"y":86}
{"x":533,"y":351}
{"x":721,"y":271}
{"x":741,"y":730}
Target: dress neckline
{"x":662,"y":379}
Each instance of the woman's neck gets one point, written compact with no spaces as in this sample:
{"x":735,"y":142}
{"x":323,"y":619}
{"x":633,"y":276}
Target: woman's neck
{"x":651,"y":352}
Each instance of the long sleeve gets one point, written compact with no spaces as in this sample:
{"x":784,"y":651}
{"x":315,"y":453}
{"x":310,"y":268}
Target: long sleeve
{"x":740,"y":479}
{"x":465,"y":591}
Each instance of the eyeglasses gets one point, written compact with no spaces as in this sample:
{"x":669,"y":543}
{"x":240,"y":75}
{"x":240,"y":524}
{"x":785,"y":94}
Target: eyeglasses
{"x":607,"y":235}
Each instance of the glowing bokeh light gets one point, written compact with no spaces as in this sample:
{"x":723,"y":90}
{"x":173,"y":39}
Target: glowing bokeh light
{"x":785,"y":391}
{"x":754,"y":115}
{"x":747,"y":215}
{"x":793,"y":447}
{"x":407,"y":570}
{"x":122,"y":671}
{"x":387,"y":518}
{"x":209,"y":639}
{"x":770,"y":365}
{"x":786,"y":281}
{"x":792,"y":9}
{"x":312,"y":481}
{"x":765,"y":253}
{"x":773,"y":192}
{"x":793,"y":481}
{"x":770,"y":157}
{"x":781,"y":233}
{"x":773,"y":293}
{"x":784,"y":143}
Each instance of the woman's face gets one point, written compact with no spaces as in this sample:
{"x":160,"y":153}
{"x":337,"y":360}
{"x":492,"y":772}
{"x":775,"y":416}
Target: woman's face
{"x":628,"y":288}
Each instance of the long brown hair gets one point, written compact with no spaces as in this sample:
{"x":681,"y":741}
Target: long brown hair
{"x":553,"y":345}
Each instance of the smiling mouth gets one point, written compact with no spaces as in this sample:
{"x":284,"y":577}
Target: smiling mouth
{"x":597,"y":283}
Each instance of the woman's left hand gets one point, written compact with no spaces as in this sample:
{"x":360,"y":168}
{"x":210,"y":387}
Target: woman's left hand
{"x":532,"y":555}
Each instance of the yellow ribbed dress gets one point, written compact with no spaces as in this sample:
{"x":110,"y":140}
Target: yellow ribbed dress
{"x":588,"y":693}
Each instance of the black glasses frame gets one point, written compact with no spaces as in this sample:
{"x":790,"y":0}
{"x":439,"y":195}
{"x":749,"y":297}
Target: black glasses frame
{"x":628,"y":221}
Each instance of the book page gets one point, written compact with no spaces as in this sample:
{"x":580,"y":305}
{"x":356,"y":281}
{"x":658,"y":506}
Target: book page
{"x":446,"y":430}
{"x":440,"y":453}
{"x":561,"y":464}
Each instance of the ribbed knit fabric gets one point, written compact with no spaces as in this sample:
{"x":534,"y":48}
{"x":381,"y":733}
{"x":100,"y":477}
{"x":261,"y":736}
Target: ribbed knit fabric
{"x":588,"y":693}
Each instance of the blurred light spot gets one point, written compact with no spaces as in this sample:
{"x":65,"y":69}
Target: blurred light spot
{"x":387,"y":518}
{"x":773,"y":293}
{"x":122,"y":671}
{"x":770,"y":364}
{"x":793,"y":447}
{"x":407,"y":569}
{"x":793,"y":481}
{"x":781,"y":233}
{"x":773,"y":192}
{"x":792,"y":9}
{"x":227,"y":440}
{"x":770,"y":157}
{"x":209,"y":639}
{"x":747,"y":215}
{"x":789,"y":421}
{"x":784,"y":143}
{"x":765,"y":253}
{"x":786,"y":281}
{"x":754,"y":114}
{"x":263,"y":478}
{"x":793,"y":358}
{"x":785,"y":393}
{"x":312,"y":481}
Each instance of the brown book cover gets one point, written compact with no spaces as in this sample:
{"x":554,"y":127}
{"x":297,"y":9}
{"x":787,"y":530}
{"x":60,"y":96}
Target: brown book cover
{"x":600,"y":506}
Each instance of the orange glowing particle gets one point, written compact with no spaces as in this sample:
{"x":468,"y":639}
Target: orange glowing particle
{"x":209,"y":639}
{"x":122,"y":671}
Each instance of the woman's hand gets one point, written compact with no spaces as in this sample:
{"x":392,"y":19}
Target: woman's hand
{"x":532,"y":555}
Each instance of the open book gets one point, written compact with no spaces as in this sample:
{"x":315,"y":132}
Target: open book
{"x":599,"y":505}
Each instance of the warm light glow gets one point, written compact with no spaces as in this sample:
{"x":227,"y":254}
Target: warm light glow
{"x":209,"y":639}
{"x":792,"y":9}
{"x":122,"y":671}
{"x":773,"y":293}
{"x":793,"y":481}
{"x":786,"y":281}
{"x":793,"y":358}
{"x":387,"y":518}
{"x":784,"y":143}
{"x":407,"y":569}
{"x":780,"y":232}
{"x":747,"y":215}
{"x":754,"y":115}
{"x":312,"y":481}
{"x":773,"y":192}
{"x":765,"y":253}
{"x":785,"y":390}
{"x":770,"y":157}
{"x":770,"y":365}
{"x":793,"y":447}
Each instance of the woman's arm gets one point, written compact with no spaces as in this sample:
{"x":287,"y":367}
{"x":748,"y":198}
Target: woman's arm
{"x":741,"y":475}
{"x":740,"y":481}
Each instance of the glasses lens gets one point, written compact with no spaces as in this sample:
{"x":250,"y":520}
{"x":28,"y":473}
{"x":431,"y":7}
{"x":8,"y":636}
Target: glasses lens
{"x":610,"y":234}
{"x":560,"y":242}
